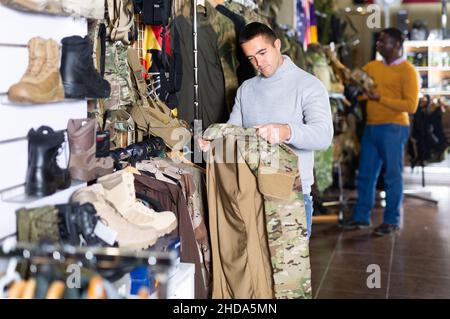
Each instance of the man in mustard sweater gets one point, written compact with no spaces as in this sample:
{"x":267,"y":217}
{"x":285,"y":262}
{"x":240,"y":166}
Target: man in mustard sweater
{"x":387,"y":130}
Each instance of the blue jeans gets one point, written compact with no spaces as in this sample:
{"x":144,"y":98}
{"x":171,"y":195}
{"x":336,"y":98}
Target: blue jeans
{"x":309,"y":211}
{"x":381,"y":144}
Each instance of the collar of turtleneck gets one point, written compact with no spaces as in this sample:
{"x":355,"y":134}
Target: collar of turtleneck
{"x":286,"y":66}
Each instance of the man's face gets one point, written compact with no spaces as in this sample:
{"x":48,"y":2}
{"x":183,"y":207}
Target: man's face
{"x":387,"y":46}
{"x":264,"y":55}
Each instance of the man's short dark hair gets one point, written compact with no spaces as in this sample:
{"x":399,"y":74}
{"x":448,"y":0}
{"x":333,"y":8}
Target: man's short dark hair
{"x":254,"y":29}
{"x":396,"y":34}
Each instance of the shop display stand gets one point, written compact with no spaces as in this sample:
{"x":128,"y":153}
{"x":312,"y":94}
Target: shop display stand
{"x":18,"y":119}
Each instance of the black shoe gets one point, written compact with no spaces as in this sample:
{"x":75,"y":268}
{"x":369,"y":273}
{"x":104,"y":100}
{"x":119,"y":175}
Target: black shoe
{"x":44,"y":176}
{"x":353,"y":224}
{"x":80,"y":78}
{"x":77,"y":224}
{"x":385,"y":229}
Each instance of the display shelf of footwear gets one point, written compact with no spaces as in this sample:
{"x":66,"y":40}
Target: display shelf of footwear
{"x":18,"y":29}
{"x":17,"y":196}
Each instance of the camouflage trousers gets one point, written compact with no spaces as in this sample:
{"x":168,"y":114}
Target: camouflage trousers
{"x":278,"y":180}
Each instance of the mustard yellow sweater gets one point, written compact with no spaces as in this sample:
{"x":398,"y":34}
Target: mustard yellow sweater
{"x":398,"y":87}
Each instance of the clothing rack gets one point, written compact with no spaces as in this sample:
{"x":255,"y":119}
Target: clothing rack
{"x":90,"y":257}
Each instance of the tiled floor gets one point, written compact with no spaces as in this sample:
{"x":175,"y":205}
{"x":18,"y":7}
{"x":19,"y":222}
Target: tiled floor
{"x":415,"y":263}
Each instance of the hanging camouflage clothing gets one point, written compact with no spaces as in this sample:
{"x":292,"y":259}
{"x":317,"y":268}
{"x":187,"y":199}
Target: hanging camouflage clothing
{"x":297,"y":53}
{"x":276,"y":171}
{"x":118,"y":74}
{"x":248,"y":14}
{"x":291,"y":47}
{"x":227,"y":50}
{"x":323,"y":168}
{"x":318,"y":65}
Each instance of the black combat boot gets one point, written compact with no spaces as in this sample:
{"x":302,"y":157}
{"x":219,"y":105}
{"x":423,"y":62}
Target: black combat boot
{"x":44,"y":176}
{"x":77,"y":224}
{"x":80,"y":78}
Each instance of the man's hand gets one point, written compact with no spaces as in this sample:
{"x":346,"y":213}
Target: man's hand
{"x":203,"y":144}
{"x":274,"y":133}
{"x":373,"y":95}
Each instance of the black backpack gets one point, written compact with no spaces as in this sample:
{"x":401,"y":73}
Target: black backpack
{"x":156,"y":12}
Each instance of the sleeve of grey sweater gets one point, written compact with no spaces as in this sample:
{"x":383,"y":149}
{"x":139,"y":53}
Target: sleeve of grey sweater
{"x":236,"y":113}
{"x":316,"y":133}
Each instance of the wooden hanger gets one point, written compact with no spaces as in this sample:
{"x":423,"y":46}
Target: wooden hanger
{"x":56,"y":290}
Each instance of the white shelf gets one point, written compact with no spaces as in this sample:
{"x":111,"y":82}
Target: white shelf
{"x":426,"y":44}
{"x":416,"y":44}
{"x":14,"y":199}
{"x":17,"y":29}
{"x":432,"y":68}
{"x":434,"y":92}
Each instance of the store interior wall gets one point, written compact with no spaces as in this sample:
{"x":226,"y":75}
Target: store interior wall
{"x":428,"y":12}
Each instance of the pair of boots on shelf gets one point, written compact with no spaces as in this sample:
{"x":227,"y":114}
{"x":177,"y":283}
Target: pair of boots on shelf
{"x":44,"y":176}
{"x":114,"y":198}
{"x":72,"y":224}
{"x":46,"y":81}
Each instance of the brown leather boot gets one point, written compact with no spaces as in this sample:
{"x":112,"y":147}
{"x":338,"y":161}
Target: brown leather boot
{"x":83,"y":164}
{"x":41,"y":82}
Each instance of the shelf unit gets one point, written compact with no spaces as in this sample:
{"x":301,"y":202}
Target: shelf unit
{"x":18,"y":119}
{"x":432,"y":60}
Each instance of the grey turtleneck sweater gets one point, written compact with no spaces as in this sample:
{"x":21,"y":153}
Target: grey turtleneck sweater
{"x":294,"y":97}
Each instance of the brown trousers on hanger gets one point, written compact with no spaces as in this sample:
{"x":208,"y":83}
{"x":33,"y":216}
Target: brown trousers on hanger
{"x":242,"y":267}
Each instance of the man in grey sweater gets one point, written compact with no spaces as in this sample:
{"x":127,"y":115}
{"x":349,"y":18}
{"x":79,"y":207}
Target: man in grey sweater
{"x":285,"y":104}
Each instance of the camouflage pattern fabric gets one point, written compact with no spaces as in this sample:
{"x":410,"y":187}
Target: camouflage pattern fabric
{"x":121,"y":126}
{"x":297,"y":53}
{"x":227,"y":50}
{"x":291,"y":47}
{"x":323,"y":168}
{"x":37,"y":224}
{"x":276,"y":169}
{"x":319,"y":66}
{"x":226,"y":47}
{"x":118,"y":74}
{"x":248,"y":14}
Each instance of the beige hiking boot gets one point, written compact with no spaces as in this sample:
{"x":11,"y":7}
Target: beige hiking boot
{"x":129,"y":235}
{"x":120,"y":192}
{"x":44,"y":6}
{"x":83,"y":164}
{"x":92,"y":9}
{"x":41,"y":82}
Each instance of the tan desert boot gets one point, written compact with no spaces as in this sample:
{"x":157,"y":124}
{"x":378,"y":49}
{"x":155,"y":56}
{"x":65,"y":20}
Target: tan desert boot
{"x":120,"y":192}
{"x":129,"y":235}
{"x":41,"y":82}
